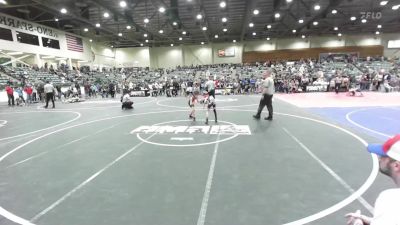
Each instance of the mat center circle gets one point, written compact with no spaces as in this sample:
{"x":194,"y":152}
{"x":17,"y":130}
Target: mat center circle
{"x":187,"y":133}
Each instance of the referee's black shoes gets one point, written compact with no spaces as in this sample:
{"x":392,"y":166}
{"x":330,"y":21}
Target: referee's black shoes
{"x":256,"y":117}
{"x":268,"y":118}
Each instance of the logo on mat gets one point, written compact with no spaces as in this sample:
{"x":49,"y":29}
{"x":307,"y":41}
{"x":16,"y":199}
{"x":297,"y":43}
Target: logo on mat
{"x":212,"y":130}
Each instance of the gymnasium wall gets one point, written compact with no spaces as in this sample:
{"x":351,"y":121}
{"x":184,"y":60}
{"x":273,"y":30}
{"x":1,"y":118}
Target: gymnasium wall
{"x":19,"y":25}
{"x":313,"y":53}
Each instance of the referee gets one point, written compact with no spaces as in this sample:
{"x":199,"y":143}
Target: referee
{"x":49,"y":90}
{"x":210,"y":86}
{"x":268,"y":91}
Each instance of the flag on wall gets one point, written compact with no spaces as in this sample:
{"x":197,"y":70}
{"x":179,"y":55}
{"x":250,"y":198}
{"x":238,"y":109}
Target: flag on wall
{"x":74,"y":43}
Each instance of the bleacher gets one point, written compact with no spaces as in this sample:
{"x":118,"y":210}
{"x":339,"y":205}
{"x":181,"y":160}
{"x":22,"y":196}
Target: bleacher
{"x":33,"y":76}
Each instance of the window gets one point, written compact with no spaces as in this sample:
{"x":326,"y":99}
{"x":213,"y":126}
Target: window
{"x":394,"y":44}
{"x":27,"y":38}
{"x":50,"y":43}
{"x":5,"y":34}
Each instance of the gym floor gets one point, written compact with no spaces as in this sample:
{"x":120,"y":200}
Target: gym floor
{"x":92,"y":163}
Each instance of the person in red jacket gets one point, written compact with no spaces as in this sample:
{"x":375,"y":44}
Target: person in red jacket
{"x":28,"y":89}
{"x":10,"y":94}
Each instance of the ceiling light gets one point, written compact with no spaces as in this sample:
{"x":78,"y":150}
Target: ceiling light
{"x":172,"y":45}
{"x":335,"y":28}
{"x":184,"y":32}
{"x":161,"y":9}
{"x":377,"y":32}
{"x":56,"y":19}
{"x":269,"y":26}
{"x":146,"y":20}
{"x":224,"y":20}
{"x":15,"y":53}
{"x":234,"y":41}
{"x":106,"y":15}
{"x":122,"y":4}
{"x":222,"y":4}
{"x":382,"y":3}
{"x":202,"y":43}
{"x":204,"y":28}
{"x":339,"y":34}
{"x":120,"y":34}
{"x":3,"y":2}
{"x":141,"y":44}
{"x":160,"y":31}
{"x":63,"y":10}
{"x":379,"y":26}
{"x":303,"y":36}
{"x":317,"y":7}
{"x":112,"y":46}
{"x":86,"y":30}
{"x":180,"y":38}
{"x":251,"y":24}
{"x":91,"y":40}
{"x":147,"y":41}
{"x":268,"y":38}
{"x":363,"y":21}
{"x":289,"y":1}
{"x":224,"y":30}
{"x":144,"y":35}
{"x":199,"y":16}
{"x":256,"y":12}
{"x":294,"y":31}
{"x":97,"y":25}
{"x":334,"y":11}
{"x":216,"y":36}
{"x":254,"y":33}
{"x":315,"y":23}
{"x":175,"y":23}
{"x":301,"y":21}
{"x":128,"y":27}
{"x":395,"y":7}
{"x":353,"y":18}
{"x":277,"y":15}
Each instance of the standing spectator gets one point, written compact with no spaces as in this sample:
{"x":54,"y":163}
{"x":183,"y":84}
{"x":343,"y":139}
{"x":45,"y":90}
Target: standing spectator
{"x":338,"y":83}
{"x":386,"y":210}
{"x":34,"y":94}
{"x":28,"y":89}
{"x":49,"y":90}
{"x":10,"y":94}
{"x":267,"y":94}
{"x":20,"y":94}
{"x":58,"y":88}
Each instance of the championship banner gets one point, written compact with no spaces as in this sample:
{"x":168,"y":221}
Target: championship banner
{"x":338,"y":56}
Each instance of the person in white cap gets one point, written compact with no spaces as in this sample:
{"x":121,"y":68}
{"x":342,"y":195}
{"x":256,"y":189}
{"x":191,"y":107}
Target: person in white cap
{"x":387,"y":210}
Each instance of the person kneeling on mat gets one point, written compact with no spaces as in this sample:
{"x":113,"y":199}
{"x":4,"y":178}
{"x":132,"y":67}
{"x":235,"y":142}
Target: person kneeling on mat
{"x":126,"y":101}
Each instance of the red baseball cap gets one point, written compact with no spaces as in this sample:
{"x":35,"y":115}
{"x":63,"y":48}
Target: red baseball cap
{"x":391,"y":148}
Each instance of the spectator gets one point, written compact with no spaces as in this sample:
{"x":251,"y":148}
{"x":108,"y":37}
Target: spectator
{"x":10,"y":94}
{"x":28,"y":89}
{"x":386,"y":210}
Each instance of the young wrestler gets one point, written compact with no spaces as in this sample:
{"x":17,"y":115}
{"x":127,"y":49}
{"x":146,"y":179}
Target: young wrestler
{"x":192,"y":102}
{"x":209,"y":101}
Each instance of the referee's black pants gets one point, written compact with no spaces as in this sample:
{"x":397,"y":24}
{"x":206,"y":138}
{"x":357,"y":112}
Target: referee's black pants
{"x":266,"y":101}
{"x":212,"y":93}
{"x":49,"y":96}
